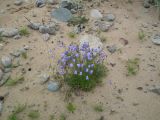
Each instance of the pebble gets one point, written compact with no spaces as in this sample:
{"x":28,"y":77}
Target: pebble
{"x":46,"y":37}
{"x":40,"y":3}
{"x":18,"y":2}
{"x":96,"y":14}
{"x":109,"y":17}
{"x":112,"y":48}
{"x":17,"y":37}
{"x":9,"y":32}
{"x":34,"y":26}
{"x":6,"y":61}
{"x":53,"y":86}
{"x":146,"y":4}
{"x":156,"y":39}
{"x":103,"y":26}
{"x":44,"y":78}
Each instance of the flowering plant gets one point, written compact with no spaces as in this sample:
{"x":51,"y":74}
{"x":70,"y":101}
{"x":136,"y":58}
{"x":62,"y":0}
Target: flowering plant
{"x":82,"y":67}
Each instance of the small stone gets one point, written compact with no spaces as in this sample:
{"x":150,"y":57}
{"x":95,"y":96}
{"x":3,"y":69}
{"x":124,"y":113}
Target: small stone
{"x":17,"y":37}
{"x":9,"y":32}
{"x":146,"y":4}
{"x":95,"y":14}
{"x":18,"y":2}
{"x":156,"y":39}
{"x":155,"y":89}
{"x":40,"y":3}
{"x":44,"y":78}
{"x":53,"y":86}
{"x":1,"y":74}
{"x":6,"y":61}
{"x":46,"y":37}
{"x":34,"y":26}
{"x":112,"y":48}
{"x":52,"y":2}
{"x":46,"y":29}
{"x":61,"y":14}
{"x":103,"y":26}
{"x":109,"y":17}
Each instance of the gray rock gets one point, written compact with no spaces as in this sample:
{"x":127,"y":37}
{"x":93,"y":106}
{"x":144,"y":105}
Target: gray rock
{"x":53,"y":86}
{"x":1,"y":74}
{"x":18,"y":2}
{"x":112,"y":48}
{"x":95,"y":14}
{"x":9,"y":32}
{"x":6,"y":61}
{"x":44,"y":78}
{"x":47,"y":29}
{"x":61,"y":14}
{"x":93,"y":41}
{"x":17,"y":37}
{"x":146,"y":4}
{"x":52,"y":2}
{"x":103,"y":26}
{"x":7,"y":70}
{"x":34,"y":26}
{"x":15,"y":53}
{"x":46,"y":37}
{"x":4,"y":79}
{"x":155,"y":89}
{"x":109,"y":17}
{"x":40,"y":3}
{"x":156,"y":39}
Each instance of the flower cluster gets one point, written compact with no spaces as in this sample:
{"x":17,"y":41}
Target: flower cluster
{"x":80,"y":62}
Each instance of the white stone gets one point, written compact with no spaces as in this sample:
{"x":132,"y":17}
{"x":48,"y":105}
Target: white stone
{"x":95,"y":14}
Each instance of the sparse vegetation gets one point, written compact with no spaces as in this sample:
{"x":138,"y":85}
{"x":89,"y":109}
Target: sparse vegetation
{"x":71,"y":107}
{"x":78,"y":20}
{"x":24,"y":31}
{"x":34,"y":114}
{"x":72,"y":34}
{"x":98,"y":108}
{"x":12,"y":82}
{"x":62,"y":117}
{"x":52,"y":117}
{"x":24,"y":55}
{"x":18,"y":109}
{"x":132,"y":66}
{"x":141,"y":35}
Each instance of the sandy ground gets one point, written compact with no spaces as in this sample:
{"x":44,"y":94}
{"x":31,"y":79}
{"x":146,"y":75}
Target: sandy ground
{"x":130,"y":104}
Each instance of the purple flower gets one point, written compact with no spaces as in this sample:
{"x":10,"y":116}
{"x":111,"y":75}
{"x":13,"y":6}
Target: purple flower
{"x":73,"y":60}
{"x":91,"y":72}
{"x":87,"y":78}
{"x":89,"y":56}
{"x":80,"y":73}
{"x":92,"y":65}
{"x":77,"y":55}
{"x":78,"y":65}
{"x":87,"y":70}
{"x":75,"y":72}
{"x":71,"y":65}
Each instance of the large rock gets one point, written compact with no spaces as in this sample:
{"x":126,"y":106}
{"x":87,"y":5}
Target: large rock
{"x":109,"y":17}
{"x":53,"y":86}
{"x":9,"y":32}
{"x":6,"y":61}
{"x":61,"y":14}
{"x":96,"y":14}
{"x":156,"y":39}
{"x":94,"y":42}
